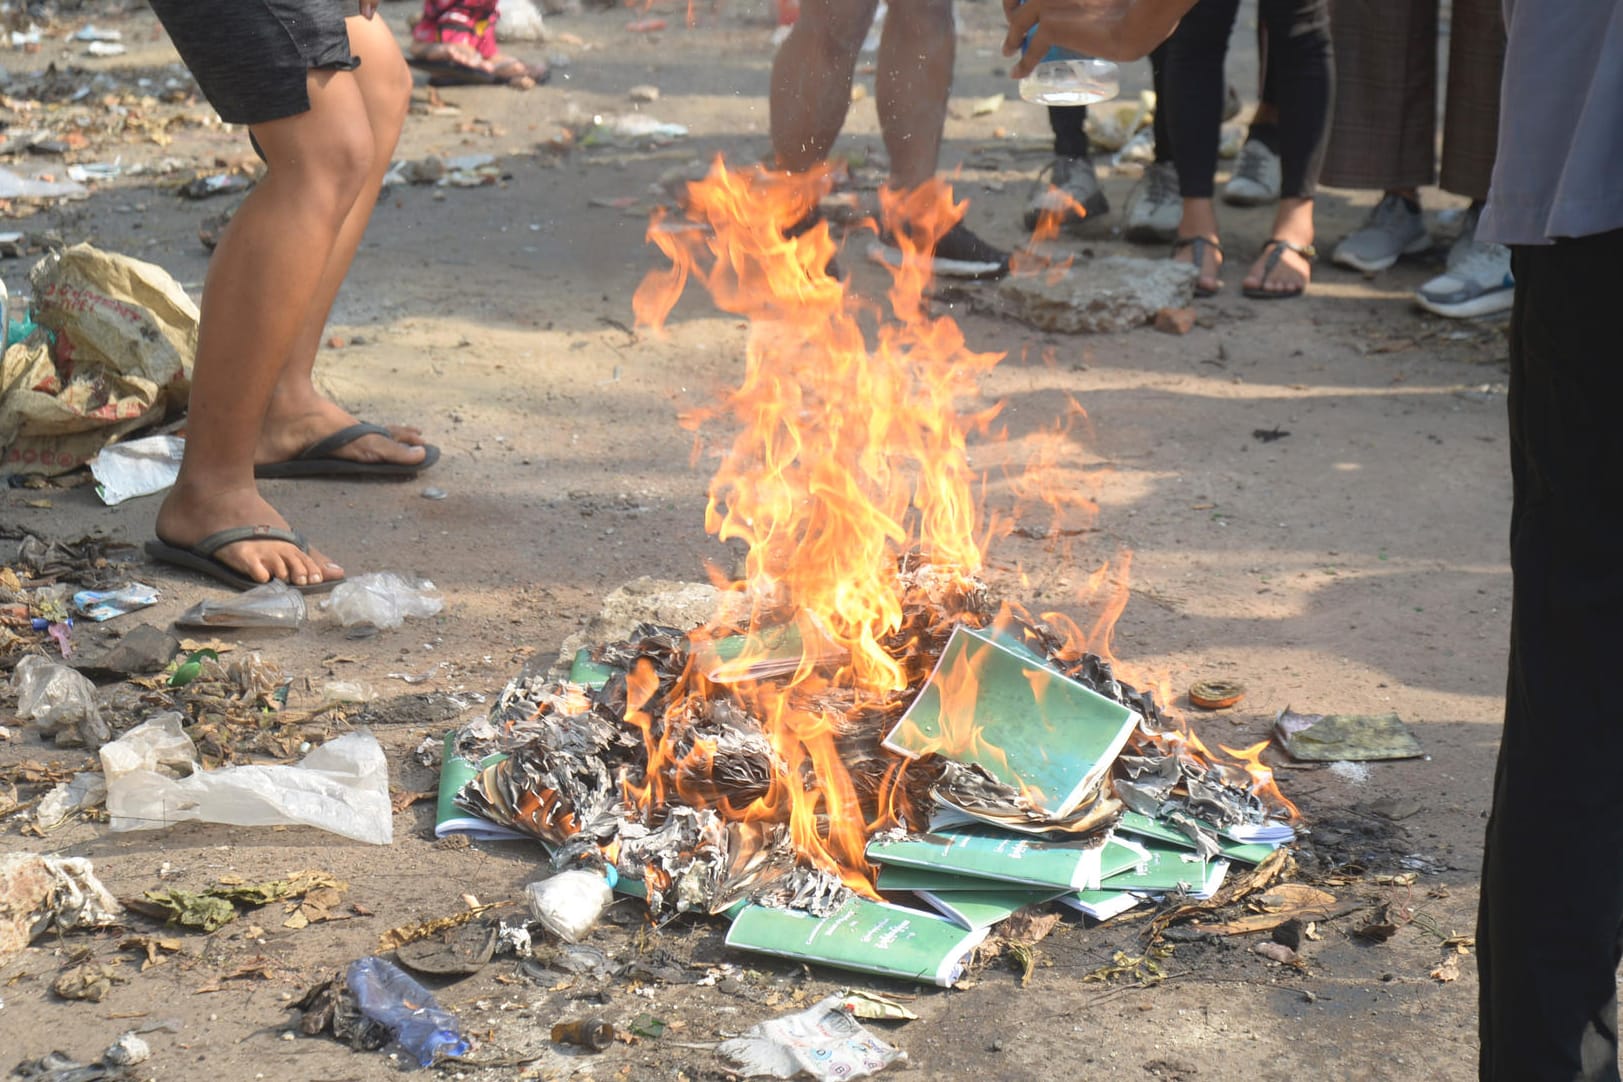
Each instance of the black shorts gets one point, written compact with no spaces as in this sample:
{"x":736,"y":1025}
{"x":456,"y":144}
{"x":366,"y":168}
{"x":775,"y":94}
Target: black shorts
{"x":252,"y":57}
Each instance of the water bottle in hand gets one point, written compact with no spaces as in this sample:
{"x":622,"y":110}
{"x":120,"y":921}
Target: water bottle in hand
{"x":391,"y":998}
{"x":1064,"y":77}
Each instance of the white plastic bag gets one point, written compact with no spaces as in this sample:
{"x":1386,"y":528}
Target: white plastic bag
{"x":342,"y":786}
{"x":569,"y":903}
{"x":59,"y":698}
{"x":382,"y":599}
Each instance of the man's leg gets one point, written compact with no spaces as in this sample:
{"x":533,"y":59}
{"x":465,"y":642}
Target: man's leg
{"x":261,"y":284}
{"x":915,"y":76}
{"x":1548,"y":947}
{"x":811,"y":79}
{"x":299,"y":415}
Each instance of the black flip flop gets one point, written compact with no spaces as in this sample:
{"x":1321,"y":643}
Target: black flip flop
{"x":1274,"y":249}
{"x":450,"y":73}
{"x":1198,"y":246}
{"x":318,"y":460}
{"x":200,"y":557}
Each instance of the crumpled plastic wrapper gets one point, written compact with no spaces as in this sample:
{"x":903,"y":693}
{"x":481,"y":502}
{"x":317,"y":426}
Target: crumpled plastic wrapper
{"x":822,"y":1042}
{"x":382,"y":599}
{"x":154,"y":779}
{"x":60,"y":699}
{"x":40,"y":892}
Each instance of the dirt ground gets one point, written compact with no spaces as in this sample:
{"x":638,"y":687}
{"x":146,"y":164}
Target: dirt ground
{"x":1355,"y":564}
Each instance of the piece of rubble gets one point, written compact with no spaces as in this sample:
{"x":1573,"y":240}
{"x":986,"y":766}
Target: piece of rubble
{"x":1175,"y":320}
{"x":643,"y":93}
{"x":644,"y":600}
{"x":39,"y":892}
{"x":127,"y":1051}
{"x":1115,"y":293}
{"x":144,"y":650}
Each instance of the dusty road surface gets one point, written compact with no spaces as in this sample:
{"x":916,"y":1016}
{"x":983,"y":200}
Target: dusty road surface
{"x":1352,"y":560}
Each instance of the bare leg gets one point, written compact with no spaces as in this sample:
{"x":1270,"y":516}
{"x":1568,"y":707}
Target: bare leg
{"x":1292,"y":222}
{"x":298,"y":414}
{"x":914,"y":80}
{"x":262,"y":282}
{"x":811,"y":79}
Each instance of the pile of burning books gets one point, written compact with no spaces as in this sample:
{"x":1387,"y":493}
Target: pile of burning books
{"x":1008,"y":772}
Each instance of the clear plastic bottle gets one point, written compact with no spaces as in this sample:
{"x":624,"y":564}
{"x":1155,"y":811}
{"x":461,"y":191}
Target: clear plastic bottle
{"x":391,"y":998}
{"x":1067,"y":78}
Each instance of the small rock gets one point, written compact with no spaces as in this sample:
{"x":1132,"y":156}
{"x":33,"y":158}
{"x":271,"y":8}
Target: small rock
{"x":1115,"y":293}
{"x":1278,"y":952}
{"x":127,"y":1051}
{"x":146,"y":649}
{"x":643,"y":93}
{"x":432,"y":493}
{"x":1175,"y":320}
{"x":335,"y":342}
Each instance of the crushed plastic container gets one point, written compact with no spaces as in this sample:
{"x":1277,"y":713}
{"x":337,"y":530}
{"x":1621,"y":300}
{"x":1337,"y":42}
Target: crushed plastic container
{"x":60,"y":699}
{"x":1063,"y":77}
{"x":568,"y":904}
{"x":389,"y":997}
{"x":382,"y":599}
{"x":273,"y":604}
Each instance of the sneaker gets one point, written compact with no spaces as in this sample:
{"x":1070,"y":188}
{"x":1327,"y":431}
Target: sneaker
{"x":1154,"y":206}
{"x":1394,"y":228}
{"x":811,"y":220}
{"x":958,"y":254}
{"x":1477,"y":282}
{"x":1064,"y":180}
{"x":1257,"y":177}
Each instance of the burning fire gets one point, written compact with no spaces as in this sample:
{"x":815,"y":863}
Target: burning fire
{"x":848,"y":474}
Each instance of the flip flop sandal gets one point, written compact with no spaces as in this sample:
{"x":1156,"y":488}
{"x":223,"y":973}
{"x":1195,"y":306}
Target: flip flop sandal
{"x":1198,"y":246}
{"x":443,"y":72}
{"x":516,"y":71}
{"x":1275,"y":249}
{"x":318,"y":460}
{"x":200,"y":557}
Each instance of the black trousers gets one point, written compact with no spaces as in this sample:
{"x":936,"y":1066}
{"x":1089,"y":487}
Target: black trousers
{"x":1300,"y":73}
{"x":1550,"y":927}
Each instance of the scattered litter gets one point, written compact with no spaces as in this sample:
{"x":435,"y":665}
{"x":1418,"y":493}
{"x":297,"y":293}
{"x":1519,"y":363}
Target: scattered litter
{"x":1277,"y":952}
{"x":822,"y":1042}
{"x":986,"y":106}
{"x":342,"y":786}
{"x":434,"y":493}
{"x":452,"y":952}
{"x":1269,"y":435}
{"x":1330,"y":737}
{"x":382,"y":599}
{"x":87,"y":790}
{"x":38,"y":893}
{"x":216,"y":184}
{"x":105,"y":48}
{"x":1110,"y":126}
{"x":310,"y":896}
{"x":875,"y":1006}
{"x":16,"y":186}
{"x":1350,"y":771}
{"x":83,"y":171}
{"x":633,"y":128}
{"x":592,"y":1034}
{"x":132,"y":468}
{"x":127,"y":1051}
{"x":643,"y":93}
{"x":60,"y":700}
{"x":271,"y":604}
{"x":569,"y":903}
{"x":100,"y":605}
{"x":386,"y":995}
{"x":90,"y":981}
{"x":92,"y":32}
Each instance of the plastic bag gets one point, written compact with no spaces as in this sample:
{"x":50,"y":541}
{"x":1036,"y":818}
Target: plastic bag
{"x":273,"y":604}
{"x":390,"y":997}
{"x":569,"y":903}
{"x":822,"y":1042}
{"x":342,"y":786}
{"x":60,"y":699}
{"x":382,"y":599}
{"x":137,"y":468}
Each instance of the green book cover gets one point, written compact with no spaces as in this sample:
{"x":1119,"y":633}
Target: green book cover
{"x":1102,"y":904}
{"x":588,"y":673}
{"x":1157,"y":830}
{"x":872,"y":937}
{"x":994,"y":705}
{"x":763,"y":653}
{"x":1009,"y":858}
{"x":902,"y":877}
{"x":1170,"y":868}
{"x":455,"y":772}
{"x":981,"y":909}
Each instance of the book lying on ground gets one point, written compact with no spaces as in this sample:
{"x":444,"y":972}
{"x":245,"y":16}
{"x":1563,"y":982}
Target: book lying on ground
{"x":1102,"y":904}
{"x":872,"y":937}
{"x":763,"y":653}
{"x":1030,"y":727}
{"x":981,"y":909}
{"x":455,"y":772}
{"x":1246,"y":852}
{"x":1170,"y":868}
{"x":1009,"y":858}
{"x":588,"y":673}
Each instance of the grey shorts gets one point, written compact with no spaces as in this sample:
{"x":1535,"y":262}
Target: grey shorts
{"x":252,"y":57}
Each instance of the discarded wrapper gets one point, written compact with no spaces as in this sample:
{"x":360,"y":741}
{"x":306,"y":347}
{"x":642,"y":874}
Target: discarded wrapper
{"x":40,"y":892}
{"x":132,"y":468}
{"x":823,"y":1042}
{"x":1326,"y":738}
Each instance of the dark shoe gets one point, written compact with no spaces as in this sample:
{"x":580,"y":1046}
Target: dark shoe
{"x":958,"y":254}
{"x":811,"y":220}
{"x":200,"y":557}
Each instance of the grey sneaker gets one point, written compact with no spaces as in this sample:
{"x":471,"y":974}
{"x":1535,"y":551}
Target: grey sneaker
{"x":1257,"y":177}
{"x":1477,"y":282}
{"x":1065,"y":180}
{"x":1394,"y":228}
{"x":1154,"y":206}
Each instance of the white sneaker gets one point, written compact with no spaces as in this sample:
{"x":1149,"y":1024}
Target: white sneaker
{"x":1394,"y":228}
{"x":1257,"y":177}
{"x":1478,"y":281}
{"x":1154,"y":206}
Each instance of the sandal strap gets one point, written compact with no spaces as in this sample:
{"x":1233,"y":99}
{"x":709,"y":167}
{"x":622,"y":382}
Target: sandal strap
{"x":214,"y":542}
{"x":1197,"y":242}
{"x":1306,"y":251}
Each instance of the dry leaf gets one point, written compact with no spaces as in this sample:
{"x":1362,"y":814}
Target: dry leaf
{"x":1448,"y":971}
{"x":401,"y":800}
{"x":1028,"y":926}
{"x":410,"y":933}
